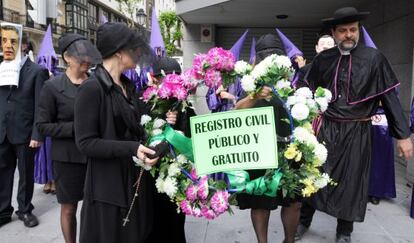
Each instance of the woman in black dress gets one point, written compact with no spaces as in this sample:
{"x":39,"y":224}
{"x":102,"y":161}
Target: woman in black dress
{"x":117,"y":204}
{"x":55,"y":119}
{"x":169,"y":223}
{"x":262,"y":205}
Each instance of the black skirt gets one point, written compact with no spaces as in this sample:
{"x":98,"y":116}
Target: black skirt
{"x":69,"y":180}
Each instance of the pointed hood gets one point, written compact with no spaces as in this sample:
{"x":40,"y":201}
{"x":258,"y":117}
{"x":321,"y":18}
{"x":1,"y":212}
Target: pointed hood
{"x":253,"y":51}
{"x":367,"y":39}
{"x":290,"y":49}
{"x":156,"y":40}
{"x":47,"y":56}
{"x":237,"y":47}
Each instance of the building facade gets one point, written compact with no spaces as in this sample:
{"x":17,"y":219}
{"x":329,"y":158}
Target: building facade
{"x":76,"y":16}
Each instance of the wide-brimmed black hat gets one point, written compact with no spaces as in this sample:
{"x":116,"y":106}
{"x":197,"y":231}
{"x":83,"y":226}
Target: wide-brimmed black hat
{"x":344,"y":16}
{"x":67,"y":39}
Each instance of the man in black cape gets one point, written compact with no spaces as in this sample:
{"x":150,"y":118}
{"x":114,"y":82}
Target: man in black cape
{"x":359,"y":78}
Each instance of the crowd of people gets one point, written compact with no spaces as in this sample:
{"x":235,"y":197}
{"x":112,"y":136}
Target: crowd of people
{"x":92,"y":114}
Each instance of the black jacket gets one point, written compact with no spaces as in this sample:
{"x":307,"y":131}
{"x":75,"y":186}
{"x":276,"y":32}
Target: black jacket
{"x":101,"y":134}
{"x":18,"y":105}
{"x":55,"y":118}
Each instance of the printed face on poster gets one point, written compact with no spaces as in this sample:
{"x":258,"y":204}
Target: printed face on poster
{"x":234,"y":140}
{"x":11,"y":41}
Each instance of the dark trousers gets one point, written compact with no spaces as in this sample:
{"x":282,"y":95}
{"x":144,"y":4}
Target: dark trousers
{"x":10,"y":156}
{"x":343,"y":227}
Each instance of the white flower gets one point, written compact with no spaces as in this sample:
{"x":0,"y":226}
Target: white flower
{"x":305,"y":92}
{"x":283,"y":61}
{"x":145,"y":119}
{"x":301,"y":100}
{"x":170,"y":186}
{"x":242,"y":67}
{"x":141,"y":163}
{"x":269,"y":61}
{"x":282,"y":84}
{"x":322,"y":181}
{"x":300,"y":112}
{"x":173,"y":169}
{"x":181,"y":159}
{"x":158,"y":123}
{"x":291,"y":100}
{"x":321,"y":153}
{"x":323,"y":103}
{"x":328,"y":95}
{"x":248,"y":83}
{"x":159,"y":184}
{"x":259,"y":70}
{"x":311,"y":103}
{"x":301,"y":134}
{"x":156,"y":132}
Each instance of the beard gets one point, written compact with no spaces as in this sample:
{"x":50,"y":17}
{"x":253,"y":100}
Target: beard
{"x":347,"y":45}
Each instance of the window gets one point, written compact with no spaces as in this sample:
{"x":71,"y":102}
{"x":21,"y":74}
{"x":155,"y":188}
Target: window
{"x":77,"y":16}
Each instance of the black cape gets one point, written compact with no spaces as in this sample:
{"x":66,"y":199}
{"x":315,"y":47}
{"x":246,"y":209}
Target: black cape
{"x":358,"y":83}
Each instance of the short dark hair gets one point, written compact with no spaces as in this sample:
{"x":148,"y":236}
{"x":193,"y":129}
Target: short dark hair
{"x":9,"y":27}
{"x":334,"y":26}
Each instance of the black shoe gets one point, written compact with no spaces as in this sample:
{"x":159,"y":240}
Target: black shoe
{"x":374,"y":200}
{"x":300,"y":231}
{"x":343,"y":239}
{"x":4,"y":221}
{"x":28,"y":219}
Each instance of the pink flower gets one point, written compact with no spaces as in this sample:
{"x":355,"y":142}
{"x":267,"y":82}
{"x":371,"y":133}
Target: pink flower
{"x":193,"y":174}
{"x":180,"y":93}
{"x":186,"y":207}
{"x":220,"y":202}
{"x":203,"y":188}
{"x":189,"y":79}
{"x":198,"y":65}
{"x":212,"y":78}
{"x":173,"y":79}
{"x":149,"y":93}
{"x":197,"y":212}
{"x":164,"y":92}
{"x":220,"y":59}
{"x":208,"y":213}
{"x":191,"y":192}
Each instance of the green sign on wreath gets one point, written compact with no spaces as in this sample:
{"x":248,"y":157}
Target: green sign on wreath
{"x":234,"y":140}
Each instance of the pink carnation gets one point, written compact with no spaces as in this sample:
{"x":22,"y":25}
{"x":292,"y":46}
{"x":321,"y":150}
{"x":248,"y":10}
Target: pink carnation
{"x":186,"y":207}
{"x":208,"y":213}
{"x":212,"y":78}
{"x":220,"y":202}
{"x":197,"y":212}
{"x":198,"y":65}
{"x":173,"y":79}
{"x":193,"y":174}
{"x":189,"y":79}
{"x":220,"y":59}
{"x":149,"y":93}
{"x":180,"y":93}
{"x":164,"y":92}
{"x":191,"y":192}
{"x":203,"y":188}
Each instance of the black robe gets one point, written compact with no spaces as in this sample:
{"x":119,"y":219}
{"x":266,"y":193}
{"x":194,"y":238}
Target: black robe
{"x":346,"y":126}
{"x":107,"y":132}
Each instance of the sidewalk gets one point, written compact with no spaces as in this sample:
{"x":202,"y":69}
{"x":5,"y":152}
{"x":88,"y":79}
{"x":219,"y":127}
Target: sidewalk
{"x":387,"y":222}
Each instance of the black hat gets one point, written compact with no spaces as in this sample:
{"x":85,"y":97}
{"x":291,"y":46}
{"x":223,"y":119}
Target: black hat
{"x":112,"y":37}
{"x":67,"y":39}
{"x":167,"y":65}
{"x":344,"y":16}
{"x":268,"y":41}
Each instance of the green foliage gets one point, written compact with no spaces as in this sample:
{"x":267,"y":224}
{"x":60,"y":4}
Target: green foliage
{"x":170,"y":26}
{"x":128,"y":7}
